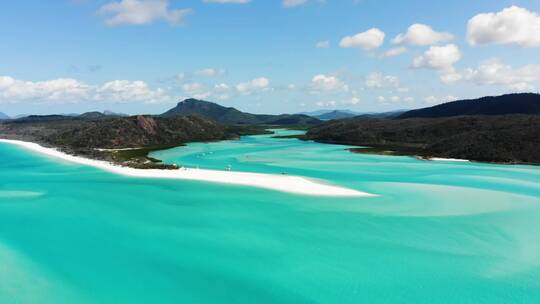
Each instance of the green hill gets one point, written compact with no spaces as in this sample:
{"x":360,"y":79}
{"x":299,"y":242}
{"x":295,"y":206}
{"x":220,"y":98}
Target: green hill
{"x":524,"y":103}
{"x":228,"y":115}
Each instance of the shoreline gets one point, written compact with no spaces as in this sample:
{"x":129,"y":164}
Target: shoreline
{"x":455,"y":160}
{"x":281,"y":183}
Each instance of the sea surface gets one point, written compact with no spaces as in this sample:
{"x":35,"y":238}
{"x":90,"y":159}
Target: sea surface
{"x":438,"y":232}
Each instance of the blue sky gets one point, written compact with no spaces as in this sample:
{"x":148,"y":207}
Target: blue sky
{"x":272,"y":56}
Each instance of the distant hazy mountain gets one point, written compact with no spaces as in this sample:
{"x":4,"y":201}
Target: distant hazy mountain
{"x":390,"y":114}
{"x":92,"y":115}
{"x":336,"y":114}
{"x":3,"y":116}
{"x":111,"y":113}
{"x":525,"y":103}
{"x":100,"y":115}
{"x":323,"y":112}
{"x":44,"y":118}
{"x":340,"y":114}
{"x":233,"y":116}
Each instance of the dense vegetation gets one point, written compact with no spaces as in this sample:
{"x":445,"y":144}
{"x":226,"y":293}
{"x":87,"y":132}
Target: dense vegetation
{"x":526,"y":103}
{"x":510,"y":138}
{"x":233,"y":116}
{"x":85,"y":136}
{"x":505,"y":138}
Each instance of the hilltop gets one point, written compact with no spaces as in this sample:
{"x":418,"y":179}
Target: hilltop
{"x":524,"y":103}
{"x":502,"y":139}
{"x":229,"y":115}
{"x":142,"y":133}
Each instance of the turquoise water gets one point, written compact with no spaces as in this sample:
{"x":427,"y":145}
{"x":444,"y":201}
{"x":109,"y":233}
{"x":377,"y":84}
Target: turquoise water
{"x":439,"y":232}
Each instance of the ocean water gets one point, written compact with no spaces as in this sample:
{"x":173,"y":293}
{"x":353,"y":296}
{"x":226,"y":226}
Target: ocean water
{"x":438,"y":232}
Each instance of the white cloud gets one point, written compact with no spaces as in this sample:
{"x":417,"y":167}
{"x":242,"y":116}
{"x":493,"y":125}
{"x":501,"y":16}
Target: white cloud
{"x":432,"y":100}
{"x":438,"y":58}
{"x":421,"y":34}
{"x":193,"y":88}
{"x":67,"y":90}
{"x":323,"y":44}
{"x":367,"y":40}
{"x":58,"y":90}
{"x":293,"y":3}
{"x":328,"y":83}
{"x":409,"y":99}
{"x":378,"y":80}
{"x":129,"y":91}
{"x":332,"y":103}
{"x":495,"y":72}
{"x":394,"y":99}
{"x":220,"y":91}
{"x":140,"y":12}
{"x":255,"y":85}
{"x":329,"y":103}
{"x":210,"y":72}
{"x":511,"y":26}
{"x":222,"y":87}
{"x":228,"y":1}
{"x":394,"y":52}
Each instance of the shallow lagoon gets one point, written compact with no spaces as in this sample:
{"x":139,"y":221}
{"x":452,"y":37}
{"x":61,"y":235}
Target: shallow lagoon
{"x":439,"y":232}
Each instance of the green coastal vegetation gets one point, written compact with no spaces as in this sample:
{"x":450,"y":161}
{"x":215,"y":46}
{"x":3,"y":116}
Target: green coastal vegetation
{"x":503,"y":129}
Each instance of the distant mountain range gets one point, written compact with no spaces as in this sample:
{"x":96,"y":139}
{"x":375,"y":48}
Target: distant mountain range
{"x":100,"y":115}
{"x":336,"y":114}
{"x":502,"y":129}
{"x":228,"y":115}
{"x":323,"y":112}
{"x":340,"y":114}
{"x":3,"y":116}
{"x":524,"y":103}
{"x":494,"y":129}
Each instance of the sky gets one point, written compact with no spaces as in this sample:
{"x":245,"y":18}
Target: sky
{"x":263,"y":56}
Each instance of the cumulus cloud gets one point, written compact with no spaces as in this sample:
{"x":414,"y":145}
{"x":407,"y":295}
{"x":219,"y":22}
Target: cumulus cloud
{"x":438,"y":57}
{"x":293,"y":3}
{"x":394,"y":52}
{"x":409,"y":99}
{"x":432,"y":100}
{"x":138,"y":12}
{"x":220,"y":91}
{"x":323,"y":44}
{"x":328,"y":83}
{"x":67,"y":90}
{"x":394,"y":99}
{"x":57,"y":90}
{"x":255,"y":85}
{"x":367,"y":40}
{"x":379,"y":80}
{"x":511,"y":26}
{"x":210,"y":72}
{"x":495,"y":72}
{"x":129,"y":91}
{"x":421,"y":34}
{"x":345,"y":102}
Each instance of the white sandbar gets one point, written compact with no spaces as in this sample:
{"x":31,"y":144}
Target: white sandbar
{"x":283,"y":183}
{"x":449,"y":159}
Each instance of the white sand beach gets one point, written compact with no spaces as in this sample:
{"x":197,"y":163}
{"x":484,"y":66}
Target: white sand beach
{"x":449,"y":159}
{"x":283,"y":183}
